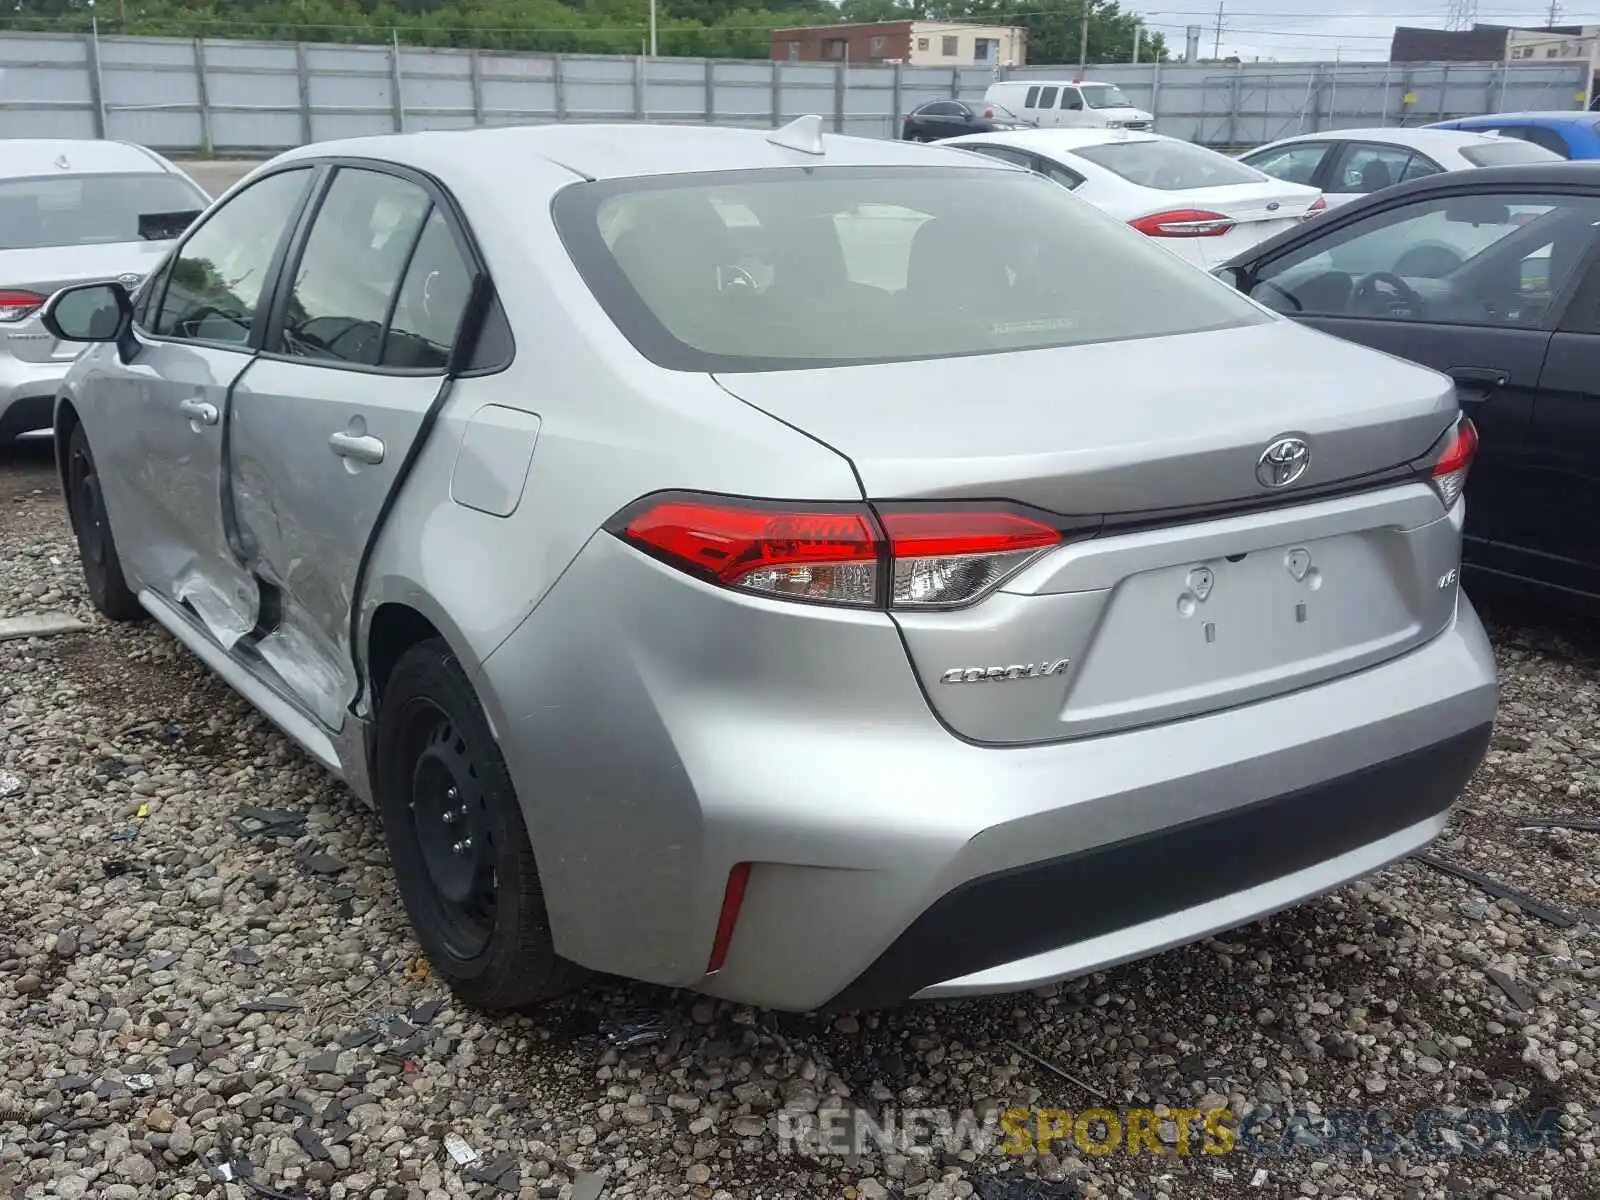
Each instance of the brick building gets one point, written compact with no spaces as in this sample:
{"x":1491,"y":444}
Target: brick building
{"x":914,"y":43}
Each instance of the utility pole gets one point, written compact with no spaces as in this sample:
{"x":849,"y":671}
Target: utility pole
{"x":652,"y":28}
{"x":1138,"y":31}
{"x":1216,"y":45}
{"x":1083,"y":38}
{"x":1555,"y":13}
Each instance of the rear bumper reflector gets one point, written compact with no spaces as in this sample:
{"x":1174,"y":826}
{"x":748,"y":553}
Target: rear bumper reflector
{"x":732,"y":899}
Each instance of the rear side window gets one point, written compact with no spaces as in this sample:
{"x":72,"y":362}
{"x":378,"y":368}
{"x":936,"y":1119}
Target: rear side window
{"x":214,"y":286}
{"x":1505,"y":152}
{"x":1047,"y":97}
{"x":1032,"y":98}
{"x":432,"y":301}
{"x":351,"y":269}
{"x":1168,"y":166}
{"x":860,"y":265}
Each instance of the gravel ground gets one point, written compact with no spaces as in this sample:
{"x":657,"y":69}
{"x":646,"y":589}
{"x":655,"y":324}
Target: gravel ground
{"x":179,"y":995}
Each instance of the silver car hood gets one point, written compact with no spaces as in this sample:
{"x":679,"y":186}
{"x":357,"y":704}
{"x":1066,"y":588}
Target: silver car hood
{"x":49,"y":268}
{"x":1115,"y":427}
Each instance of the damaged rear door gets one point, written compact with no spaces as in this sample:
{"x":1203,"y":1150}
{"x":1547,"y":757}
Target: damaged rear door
{"x":355,"y":358}
{"x":165,"y":412}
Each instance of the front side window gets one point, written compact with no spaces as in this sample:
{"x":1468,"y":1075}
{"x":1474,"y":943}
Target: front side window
{"x":214,"y":286}
{"x":1071,"y":99}
{"x":1103,"y":95}
{"x":1168,"y":166}
{"x":86,"y":210}
{"x":1495,"y":259}
{"x":1296,"y":163}
{"x":352,"y":266}
{"x":858,"y":265}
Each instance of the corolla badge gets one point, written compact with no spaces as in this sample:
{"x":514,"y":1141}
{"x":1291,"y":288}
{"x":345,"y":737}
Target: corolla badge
{"x":1039,"y":670}
{"x":1281,"y":463}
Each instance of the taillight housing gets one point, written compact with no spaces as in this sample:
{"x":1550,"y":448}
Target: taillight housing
{"x":18,"y":305}
{"x":1184,"y":223}
{"x":1449,"y":473}
{"x":1319,"y":205}
{"x":901,"y":556}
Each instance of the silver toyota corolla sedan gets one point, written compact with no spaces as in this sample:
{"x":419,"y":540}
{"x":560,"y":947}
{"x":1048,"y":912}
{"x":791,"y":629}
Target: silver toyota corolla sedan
{"x":73,"y":211}
{"x":728,"y":559}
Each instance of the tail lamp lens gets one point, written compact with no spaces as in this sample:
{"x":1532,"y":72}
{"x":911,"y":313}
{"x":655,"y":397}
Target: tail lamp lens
{"x":1450,"y":471}
{"x":1320,"y":204}
{"x":800,"y":555}
{"x":908,"y":558}
{"x":17,"y":305}
{"x":941,"y":559}
{"x":1184,"y":223}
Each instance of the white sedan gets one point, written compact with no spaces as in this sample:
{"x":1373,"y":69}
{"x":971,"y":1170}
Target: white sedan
{"x":1346,"y":163}
{"x":1203,"y":205}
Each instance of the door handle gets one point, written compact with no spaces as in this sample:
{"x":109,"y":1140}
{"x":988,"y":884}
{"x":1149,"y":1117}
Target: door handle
{"x":199,"y":410}
{"x":362,"y":449}
{"x":1477,"y":384}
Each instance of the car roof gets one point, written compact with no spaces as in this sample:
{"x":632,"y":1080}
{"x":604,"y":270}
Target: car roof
{"x":1551,"y":117}
{"x":1417,"y":138}
{"x":1058,"y":82}
{"x":1064,"y":138}
{"x":21,"y":157}
{"x":617,"y":151}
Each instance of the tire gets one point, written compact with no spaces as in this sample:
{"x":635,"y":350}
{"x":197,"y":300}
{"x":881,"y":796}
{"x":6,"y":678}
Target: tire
{"x":97,"y":548}
{"x":441,"y":781}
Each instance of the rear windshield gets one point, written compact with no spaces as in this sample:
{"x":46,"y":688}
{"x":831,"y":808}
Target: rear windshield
{"x":1504,"y":152}
{"x":81,"y":210}
{"x":1103,"y":95}
{"x":1169,"y":166}
{"x":806,"y":267}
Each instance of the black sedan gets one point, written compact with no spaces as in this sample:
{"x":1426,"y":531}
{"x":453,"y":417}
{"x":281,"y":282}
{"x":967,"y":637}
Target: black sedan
{"x":939,"y":119}
{"x":1491,"y":276}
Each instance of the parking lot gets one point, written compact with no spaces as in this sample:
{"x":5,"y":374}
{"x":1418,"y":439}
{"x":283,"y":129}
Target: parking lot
{"x":187,"y":992}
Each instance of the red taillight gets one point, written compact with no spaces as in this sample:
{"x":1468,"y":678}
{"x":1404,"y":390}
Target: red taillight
{"x":732,"y":899}
{"x":1455,"y":460}
{"x":988,"y":114}
{"x":1184,"y":223}
{"x":16,"y":304}
{"x":803,"y":554}
{"x":911,"y":556}
{"x":1320,"y":204}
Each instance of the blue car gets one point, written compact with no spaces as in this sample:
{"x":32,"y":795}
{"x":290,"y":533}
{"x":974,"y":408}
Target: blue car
{"x":1569,"y":134}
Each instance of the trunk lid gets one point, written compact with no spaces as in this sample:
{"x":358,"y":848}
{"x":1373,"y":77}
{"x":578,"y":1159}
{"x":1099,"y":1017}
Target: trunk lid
{"x":47,"y":269}
{"x":1170,"y":614}
{"x":1116,"y":427}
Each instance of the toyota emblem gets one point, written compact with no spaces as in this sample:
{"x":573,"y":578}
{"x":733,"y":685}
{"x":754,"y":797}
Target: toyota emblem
{"x":1273,"y":206}
{"x":1284,"y":461}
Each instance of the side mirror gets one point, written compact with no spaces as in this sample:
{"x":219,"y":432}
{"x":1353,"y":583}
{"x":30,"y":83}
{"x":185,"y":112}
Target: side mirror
{"x":91,"y":312}
{"x":1234,"y":277}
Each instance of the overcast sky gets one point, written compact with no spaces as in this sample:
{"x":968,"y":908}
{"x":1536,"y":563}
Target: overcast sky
{"x":1301,"y":29}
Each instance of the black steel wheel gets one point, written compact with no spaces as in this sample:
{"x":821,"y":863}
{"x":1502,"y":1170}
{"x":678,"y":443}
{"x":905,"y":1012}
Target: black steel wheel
{"x":460,"y":848}
{"x":97,"y":549}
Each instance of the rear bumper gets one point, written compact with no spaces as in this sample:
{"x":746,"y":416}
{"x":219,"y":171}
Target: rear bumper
{"x":653,"y":750}
{"x":1089,"y":910}
{"x":24,"y":414}
{"x":28,"y":392}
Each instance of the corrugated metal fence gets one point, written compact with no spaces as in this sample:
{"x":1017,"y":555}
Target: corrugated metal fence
{"x":232,"y":97}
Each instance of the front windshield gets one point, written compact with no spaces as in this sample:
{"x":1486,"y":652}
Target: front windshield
{"x":86,"y":210}
{"x":1104,"y":95}
{"x":789,"y":268}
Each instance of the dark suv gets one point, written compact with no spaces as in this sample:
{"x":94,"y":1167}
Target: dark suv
{"x":939,"y":119}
